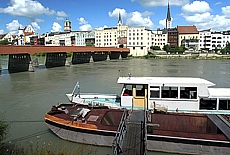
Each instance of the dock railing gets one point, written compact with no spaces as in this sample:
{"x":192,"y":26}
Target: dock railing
{"x":118,"y":141}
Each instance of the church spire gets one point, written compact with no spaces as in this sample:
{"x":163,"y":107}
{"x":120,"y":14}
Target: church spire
{"x":119,"y":19}
{"x":168,"y":19}
{"x":168,"y":13}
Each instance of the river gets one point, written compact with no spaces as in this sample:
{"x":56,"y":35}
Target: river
{"x":25,"y":97}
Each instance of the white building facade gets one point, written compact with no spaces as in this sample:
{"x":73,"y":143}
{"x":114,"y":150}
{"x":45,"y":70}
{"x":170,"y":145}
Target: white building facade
{"x":211,"y":40}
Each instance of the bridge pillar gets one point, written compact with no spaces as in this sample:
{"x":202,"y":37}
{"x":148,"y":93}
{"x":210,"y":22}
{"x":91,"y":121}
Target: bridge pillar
{"x":124,"y":54}
{"x":99,"y":56}
{"x":31,"y":67}
{"x":81,"y":57}
{"x":18,"y":62}
{"x":114,"y":55}
{"x":55,"y":59}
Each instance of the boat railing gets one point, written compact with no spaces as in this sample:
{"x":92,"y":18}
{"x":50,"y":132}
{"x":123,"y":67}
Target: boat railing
{"x":95,"y":103}
{"x":121,"y":131}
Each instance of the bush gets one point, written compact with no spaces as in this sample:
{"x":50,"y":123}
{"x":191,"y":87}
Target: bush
{"x":4,"y":129}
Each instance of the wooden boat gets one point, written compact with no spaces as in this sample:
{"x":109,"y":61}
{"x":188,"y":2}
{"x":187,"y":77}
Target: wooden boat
{"x":176,"y":132}
{"x":84,"y":124}
{"x":172,"y":94}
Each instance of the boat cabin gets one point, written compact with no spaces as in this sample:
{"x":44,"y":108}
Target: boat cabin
{"x":175,"y":94}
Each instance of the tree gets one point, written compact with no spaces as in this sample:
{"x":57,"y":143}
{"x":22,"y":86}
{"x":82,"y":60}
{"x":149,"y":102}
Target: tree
{"x":5,"y":42}
{"x":4,"y":129}
{"x":167,"y":48}
{"x":155,"y":48}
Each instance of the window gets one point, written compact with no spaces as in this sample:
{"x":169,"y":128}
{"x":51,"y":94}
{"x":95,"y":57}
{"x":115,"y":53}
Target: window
{"x":154,"y":91}
{"x":169,"y":92}
{"x":208,"y":103}
{"x":188,"y":92}
{"x":224,"y":104}
{"x":140,"y":90}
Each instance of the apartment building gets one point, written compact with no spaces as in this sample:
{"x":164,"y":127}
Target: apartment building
{"x":159,"y":38}
{"x":188,"y":36}
{"x":210,"y":40}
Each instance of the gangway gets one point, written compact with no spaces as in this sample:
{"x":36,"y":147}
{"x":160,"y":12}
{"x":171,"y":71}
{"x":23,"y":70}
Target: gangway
{"x":131,"y":138}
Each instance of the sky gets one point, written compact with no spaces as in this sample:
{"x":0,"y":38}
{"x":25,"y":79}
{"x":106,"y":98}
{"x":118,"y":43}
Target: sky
{"x":49,"y":15}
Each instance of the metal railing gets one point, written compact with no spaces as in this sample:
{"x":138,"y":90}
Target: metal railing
{"x":118,"y":141}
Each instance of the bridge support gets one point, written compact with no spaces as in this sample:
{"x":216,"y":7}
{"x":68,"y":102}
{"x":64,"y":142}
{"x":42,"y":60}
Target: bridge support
{"x":18,"y":62}
{"x":99,"y":56}
{"x":81,"y":57}
{"x":114,"y":55}
{"x":55,"y":59}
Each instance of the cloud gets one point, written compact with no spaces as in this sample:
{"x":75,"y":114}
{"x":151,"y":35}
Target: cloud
{"x":133,"y":18}
{"x":116,"y":11}
{"x":26,"y":8}
{"x":56,"y":27}
{"x":60,"y":18}
{"x":38,"y":20}
{"x":85,"y":26}
{"x":1,"y":31}
{"x":101,"y":28}
{"x":13,"y":26}
{"x":137,"y":19}
{"x":226,"y":11}
{"x":199,"y":13}
{"x":151,"y":3}
{"x":35,"y":26}
{"x":196,"y":7}
{"x":62,"y":14}
{"x":218,"y":3}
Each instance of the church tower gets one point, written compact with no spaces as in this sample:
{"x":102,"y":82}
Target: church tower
{"x":67,"y":25}
{"x":119,"y":20}
{"x":168,"y":19}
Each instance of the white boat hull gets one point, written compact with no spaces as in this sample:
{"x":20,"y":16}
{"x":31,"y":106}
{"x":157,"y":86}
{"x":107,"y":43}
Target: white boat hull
{"x":104,"y":139}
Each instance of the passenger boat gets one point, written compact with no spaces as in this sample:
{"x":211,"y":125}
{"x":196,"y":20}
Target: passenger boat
{"x":192,"y":118}
{"x":172,"y":94}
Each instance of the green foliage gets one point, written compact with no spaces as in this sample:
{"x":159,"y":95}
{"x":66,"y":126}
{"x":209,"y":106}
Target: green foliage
{"x":4,"y":129}
{"x":42,"y":148}
{"x":178,"y":50}
{"x":89,"y":44}
{"x":226,"y":49}
{"x":150,"y":56}
{"x":5,"y":42}
{"x":155,"y":48}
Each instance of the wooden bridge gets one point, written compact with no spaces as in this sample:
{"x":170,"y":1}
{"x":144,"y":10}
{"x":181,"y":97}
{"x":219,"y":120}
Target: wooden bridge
{"x":20,"y":59}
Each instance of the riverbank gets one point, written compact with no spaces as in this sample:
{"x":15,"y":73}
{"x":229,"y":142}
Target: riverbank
{"x":202,"y":56}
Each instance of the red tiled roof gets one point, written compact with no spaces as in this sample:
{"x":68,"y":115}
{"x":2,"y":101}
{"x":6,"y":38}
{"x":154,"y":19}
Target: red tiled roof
{"x":187,"y":30}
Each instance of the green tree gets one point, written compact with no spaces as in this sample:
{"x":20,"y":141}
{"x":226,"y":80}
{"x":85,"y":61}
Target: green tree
{"x":5,"y":42}
{"x":167,"y":48}
{"x":155,"y":48}
{"x":4,"y":129}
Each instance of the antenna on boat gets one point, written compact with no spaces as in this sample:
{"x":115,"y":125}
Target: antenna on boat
{"x":130,"y":75}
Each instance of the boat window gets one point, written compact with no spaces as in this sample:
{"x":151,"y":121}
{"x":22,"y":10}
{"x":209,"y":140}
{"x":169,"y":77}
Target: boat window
{"x":154,"y":91}
{"x":224,"y":104}
{"x":140,"y":90}
{"x":188,"y":92}
{"x":169,"y":92}
{"x":128,"y":90}
{"x":208,"y":103}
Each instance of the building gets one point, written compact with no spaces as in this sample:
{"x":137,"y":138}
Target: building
{"x":211,"y":40}
{"x":24,"y":35}
{"x":172,"y":37}
{"x":159,"y":38}
{"x":168,"y":19}
{"x":8,"y":37}
{"x":188,"y":36}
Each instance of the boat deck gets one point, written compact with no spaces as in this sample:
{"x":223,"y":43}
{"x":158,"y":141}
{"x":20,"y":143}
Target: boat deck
{"x":134,"y":138}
